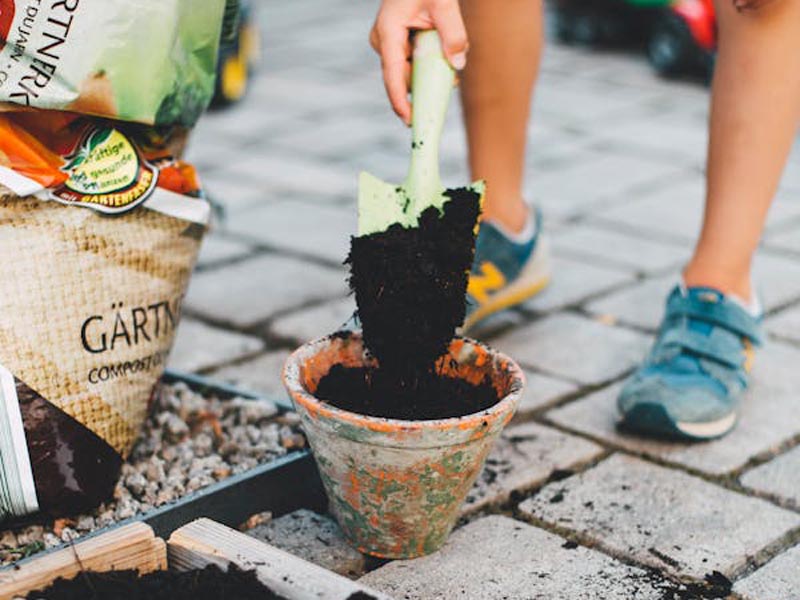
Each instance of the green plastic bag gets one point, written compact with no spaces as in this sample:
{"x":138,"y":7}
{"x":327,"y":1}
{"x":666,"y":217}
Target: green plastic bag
{"x":151,"y":61}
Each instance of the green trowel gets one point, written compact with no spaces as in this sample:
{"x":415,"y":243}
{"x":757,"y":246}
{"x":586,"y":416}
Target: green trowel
{"x":410,"y":262}
{"x":381,"y":204}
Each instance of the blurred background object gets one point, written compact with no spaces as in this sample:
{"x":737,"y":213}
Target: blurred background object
{"x":678,"y":36}
{"x":239,"y":52}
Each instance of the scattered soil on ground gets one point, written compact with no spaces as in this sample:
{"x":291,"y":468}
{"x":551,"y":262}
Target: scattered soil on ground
{"x":211,"y":583}
{"x":374,"y":392}
{"x":410,"y":284}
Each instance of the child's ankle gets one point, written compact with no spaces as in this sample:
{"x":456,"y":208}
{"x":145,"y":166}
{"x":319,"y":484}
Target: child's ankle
{"x":731,"y":285}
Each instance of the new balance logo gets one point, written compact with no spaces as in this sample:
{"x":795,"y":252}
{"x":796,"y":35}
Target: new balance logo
{"x":482,"y":284}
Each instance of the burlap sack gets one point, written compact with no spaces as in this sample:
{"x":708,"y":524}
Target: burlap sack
{"x":89,"y":304}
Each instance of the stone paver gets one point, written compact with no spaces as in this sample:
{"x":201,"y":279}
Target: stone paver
{"x":216,"y":250}
{"x":261,"y":374}
{"x":627,"y":251}
{"x":785,"y":324}
{"x":575,"y":347}
{"x":779,"y":579}
{"x":675,"y":209}
{"x":199,"y":346}
{"x":525,"y":456}
{"x":314,"y":179}
{"x":642,"y":304}
{"x":253,"y":290}
{"x":541,"y":390}
{"x":676,"y":138}
{"x":594,"y":177}
{"x":320,"y":231}
{"x":785,"y":240}
{"x":236,"y":194}
{"x":497,"y":558}
{"x":779,"y":477}
{"x":311,"y":323}
{"x":312,"y":537}
{"x":662,"y":517}
{"x":769,"y":417}
{"x":574,"y":281}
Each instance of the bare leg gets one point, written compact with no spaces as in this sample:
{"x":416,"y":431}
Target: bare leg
{"x":755,"y":112}
{"x":505,"y":46}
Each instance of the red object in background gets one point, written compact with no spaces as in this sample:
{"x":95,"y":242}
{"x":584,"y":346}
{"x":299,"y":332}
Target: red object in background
{"x":700,"y":17}
{"x":7,"y":8}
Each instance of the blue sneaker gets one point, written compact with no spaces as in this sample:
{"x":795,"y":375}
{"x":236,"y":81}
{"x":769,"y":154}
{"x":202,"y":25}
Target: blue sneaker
{"x":691,"y":383}
{"x":505,"y":273}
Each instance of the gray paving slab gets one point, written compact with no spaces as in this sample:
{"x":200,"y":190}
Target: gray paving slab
{"x":617,"y":248}
{"x":315,"y":538}
{"x":574,"y":281}
{"x":575,"y":348}
{"x":337,"y":137}
{"x":261,"y":374}
{"x":567,"y":100}
{"x":785,"y":324}
{"x":786,"y":240}
{"x":658,"y":134}
{"x":777,"y":281}
{"x":541,"y":390}
{"x":675,"y":209}
{"x":234,"y":194}
{"x":779,"y":477}
{"x":497,"y":558}
{"x":253,"y":290}
{"x":199,"y":346}
{"x":315,"y":180}
{"x":769,"y":417}
{"x":311,"y":323}
{"x":320,"y":231}
{"x":216,"y":249}
{"x":662,"y":517}
{"x":641,"y":304}
{"x":525,"y":456}
{"x":779,"y":579}
{"x":593,"y":177}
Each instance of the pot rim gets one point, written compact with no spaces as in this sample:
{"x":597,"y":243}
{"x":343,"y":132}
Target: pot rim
{"x":293,"y":383}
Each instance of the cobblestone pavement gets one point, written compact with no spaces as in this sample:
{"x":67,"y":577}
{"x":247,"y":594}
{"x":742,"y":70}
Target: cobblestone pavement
{"x":615,"y":161}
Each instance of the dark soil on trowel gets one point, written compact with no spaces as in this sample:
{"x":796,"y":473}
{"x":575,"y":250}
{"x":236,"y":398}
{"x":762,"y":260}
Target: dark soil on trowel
{"x":374,"y":392}
{"x":210,"y":583}
{"x":410,"y":286}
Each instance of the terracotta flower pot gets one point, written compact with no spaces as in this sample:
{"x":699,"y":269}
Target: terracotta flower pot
{"x":396,"y":486}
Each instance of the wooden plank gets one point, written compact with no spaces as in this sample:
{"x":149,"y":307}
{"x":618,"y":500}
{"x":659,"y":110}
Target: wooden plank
{"x":205,"y":542}
{"x":134,"y":546}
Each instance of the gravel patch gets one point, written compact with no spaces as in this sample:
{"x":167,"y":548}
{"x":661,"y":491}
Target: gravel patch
{"x":189,"y":442}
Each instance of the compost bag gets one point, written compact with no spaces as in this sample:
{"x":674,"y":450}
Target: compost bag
{"x":99,"y":231}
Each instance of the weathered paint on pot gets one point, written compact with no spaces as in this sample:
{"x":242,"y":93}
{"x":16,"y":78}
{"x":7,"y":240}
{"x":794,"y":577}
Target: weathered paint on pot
{"x":396,"y":486}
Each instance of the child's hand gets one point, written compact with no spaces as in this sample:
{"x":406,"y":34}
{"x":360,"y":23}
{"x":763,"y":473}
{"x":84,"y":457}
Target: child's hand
{"x":390,"y":38}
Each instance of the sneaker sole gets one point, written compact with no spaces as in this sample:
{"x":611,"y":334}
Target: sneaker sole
{"x":707,"y":431}
{"x":652,"y":419}
{"x":534,"y":278}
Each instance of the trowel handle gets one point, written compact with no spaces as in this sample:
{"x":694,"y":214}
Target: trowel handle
{"x":432,"y":82}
